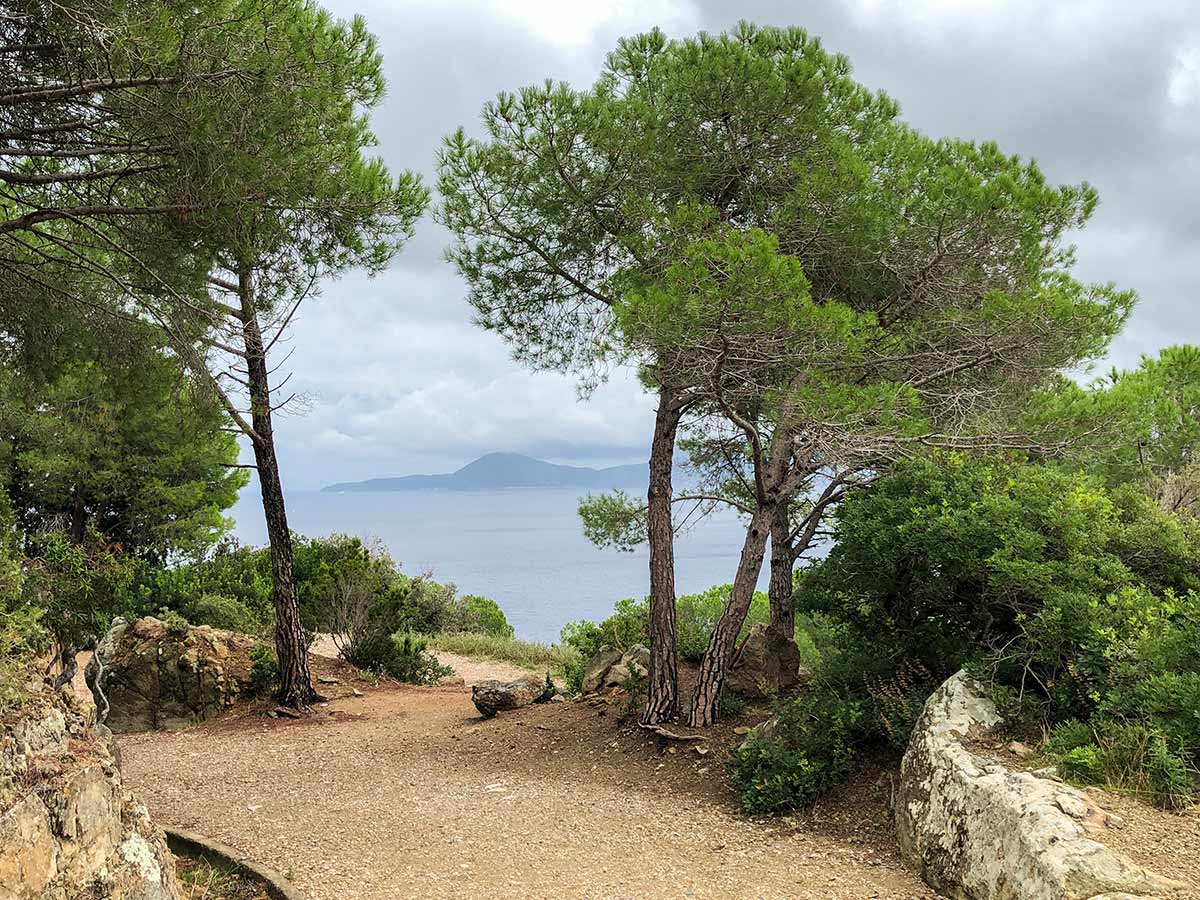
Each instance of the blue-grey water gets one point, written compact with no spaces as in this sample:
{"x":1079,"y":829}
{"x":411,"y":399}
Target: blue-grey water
{"x":523,"y":548}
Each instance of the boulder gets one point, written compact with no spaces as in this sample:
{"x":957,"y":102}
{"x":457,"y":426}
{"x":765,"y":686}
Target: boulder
{"x":767,"y":664}
{"x":976,"y":831}
{"x":68,"y":828}
{"x":597,"y":668}
{"x":491,"y":697}
{"x":634,"y":661}
{"x":146,"y":675}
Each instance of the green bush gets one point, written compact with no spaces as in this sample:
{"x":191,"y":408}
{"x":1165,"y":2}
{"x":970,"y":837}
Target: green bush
{"x":809,"y":751}
{"x":1128,"y":756}
{"x":176,"y":624}
{"x":628,"y":625}
{"x":408,"y":661}
{"x":224,"y":612}
{"x":479,"y":615}
{"x":264,"y":670}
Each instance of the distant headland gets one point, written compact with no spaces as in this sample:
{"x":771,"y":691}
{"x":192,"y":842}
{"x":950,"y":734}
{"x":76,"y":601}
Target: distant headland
{"x":497,"y":471}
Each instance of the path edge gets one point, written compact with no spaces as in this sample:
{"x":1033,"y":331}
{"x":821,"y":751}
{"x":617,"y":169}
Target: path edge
{"x":192,"y":844}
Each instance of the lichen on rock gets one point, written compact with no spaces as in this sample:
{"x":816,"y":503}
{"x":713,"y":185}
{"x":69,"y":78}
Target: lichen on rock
{"x":68,"y":828}
{"x":977,"y":831}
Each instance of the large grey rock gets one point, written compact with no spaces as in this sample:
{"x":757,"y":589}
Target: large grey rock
{"x":597,"y":668}
{"x":976,"y":831}
{"x":150,"y":676}
{"x":491,"y":697}
{"x":68,"y":828}
{"x":768,"y":664}
{"x":633,"y":662}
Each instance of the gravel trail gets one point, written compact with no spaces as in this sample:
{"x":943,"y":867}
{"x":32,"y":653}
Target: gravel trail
{"x":404,"y":792}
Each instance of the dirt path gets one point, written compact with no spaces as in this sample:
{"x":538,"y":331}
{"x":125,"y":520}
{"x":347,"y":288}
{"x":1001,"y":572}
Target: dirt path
{"x":405,"y":793}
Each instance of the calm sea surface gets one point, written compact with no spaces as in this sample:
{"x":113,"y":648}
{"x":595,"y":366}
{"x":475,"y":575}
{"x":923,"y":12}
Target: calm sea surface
{"x":524,"y":549}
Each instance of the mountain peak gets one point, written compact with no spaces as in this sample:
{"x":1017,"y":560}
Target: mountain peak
{"x":501,"y":470}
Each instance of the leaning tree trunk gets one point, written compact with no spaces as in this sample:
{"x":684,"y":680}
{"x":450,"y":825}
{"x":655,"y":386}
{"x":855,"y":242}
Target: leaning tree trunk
{"x":662,"y":700}
{"x":719,"y":653}
{"x":783,"y":559}
{"x":295,"y":682}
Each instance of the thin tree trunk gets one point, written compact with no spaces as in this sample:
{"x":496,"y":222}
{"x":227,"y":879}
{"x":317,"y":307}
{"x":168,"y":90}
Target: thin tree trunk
{"x":722,"y":645}
{"x":662,"y":695}
{"x":295,"y":682}
{"x":779,"y":591}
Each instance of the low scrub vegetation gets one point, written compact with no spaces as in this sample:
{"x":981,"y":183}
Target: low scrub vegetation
{"x":1077,"y":601}
{"x":528,"y":654}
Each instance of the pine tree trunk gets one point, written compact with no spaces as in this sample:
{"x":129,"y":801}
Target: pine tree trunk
{"x":291,"y":648}
{"x":779,"y":591}
{"x":662,"y":700}
{"x":722,"y":645}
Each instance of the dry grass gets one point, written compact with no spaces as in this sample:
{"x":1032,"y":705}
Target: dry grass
{"x":527,"y":654}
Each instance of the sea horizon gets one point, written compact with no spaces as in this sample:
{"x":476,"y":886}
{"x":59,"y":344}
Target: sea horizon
{"x":522,"y":547}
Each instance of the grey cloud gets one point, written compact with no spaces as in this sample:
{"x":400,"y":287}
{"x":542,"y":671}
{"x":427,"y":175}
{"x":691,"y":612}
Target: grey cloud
{"x":1091,"y":88}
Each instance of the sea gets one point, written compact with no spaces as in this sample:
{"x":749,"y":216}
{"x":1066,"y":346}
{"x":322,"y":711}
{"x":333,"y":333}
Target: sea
{"x":525,"y":549}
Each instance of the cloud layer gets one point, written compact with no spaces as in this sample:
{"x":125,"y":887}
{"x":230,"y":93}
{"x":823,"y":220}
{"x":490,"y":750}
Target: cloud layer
{"x":401,"y":381}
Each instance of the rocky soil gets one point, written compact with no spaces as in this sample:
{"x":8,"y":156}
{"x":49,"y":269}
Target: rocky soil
{"x":406,"y":792}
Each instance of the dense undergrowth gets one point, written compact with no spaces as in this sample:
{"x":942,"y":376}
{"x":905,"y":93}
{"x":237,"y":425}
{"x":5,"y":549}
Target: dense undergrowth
{"x":1076,"y":602}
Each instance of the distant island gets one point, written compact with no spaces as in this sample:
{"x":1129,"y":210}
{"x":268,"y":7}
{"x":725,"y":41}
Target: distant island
{"x":497,"y":471}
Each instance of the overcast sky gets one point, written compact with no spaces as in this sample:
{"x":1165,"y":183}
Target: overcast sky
{"x":1106,"y":91}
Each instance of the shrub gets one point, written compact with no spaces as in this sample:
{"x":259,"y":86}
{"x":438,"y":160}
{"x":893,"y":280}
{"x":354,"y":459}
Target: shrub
{"x":1128,"y":756}
{"x":696,"y":615}
{"x":176,"y":624}
{"x":408,"y":661}
{"x":809,"y":752}
{"x":479,"y":615}
{"x":628,"y":625}
{"x":264,"y":670}
{"x":21,"y":637}
{"x":224,"y":612}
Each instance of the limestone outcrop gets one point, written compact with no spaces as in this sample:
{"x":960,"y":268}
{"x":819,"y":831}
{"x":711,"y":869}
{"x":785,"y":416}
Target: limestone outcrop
{"x":149,"y":675}
{"x":977,"y":831}
{"x":68,"y":828}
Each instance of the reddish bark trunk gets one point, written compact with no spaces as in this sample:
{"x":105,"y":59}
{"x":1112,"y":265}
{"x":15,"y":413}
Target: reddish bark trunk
{"x":662,"y":695}
{"x":719,"y":654}
{"x":291,"y":648}
{"x":779,"y":591}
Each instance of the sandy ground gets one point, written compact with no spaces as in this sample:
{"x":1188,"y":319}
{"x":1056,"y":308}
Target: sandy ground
{"x":405,"y":792}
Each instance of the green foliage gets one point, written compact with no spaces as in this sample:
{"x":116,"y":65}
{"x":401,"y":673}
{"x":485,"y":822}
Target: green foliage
{"x":407,"y":660}
{"x":480,"y":615}
{"x":613,"y":520}
{"x":224,"y":612}
{"x":628,"y":625}
{"x":1077,"y":599}
{"x":177,"y":625}
{"x":809,"y":751}
{"x":343,"y":584}
{"x":264,"y":670}
{"x":695,"y":617}
{"x":635,"y":693}
{"x":123,"y":444}
{"x":1128,"y":756}
{"x":77,"y":585}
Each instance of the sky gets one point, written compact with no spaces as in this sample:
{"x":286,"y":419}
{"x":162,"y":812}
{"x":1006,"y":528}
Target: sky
{"x":399,"y":380}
